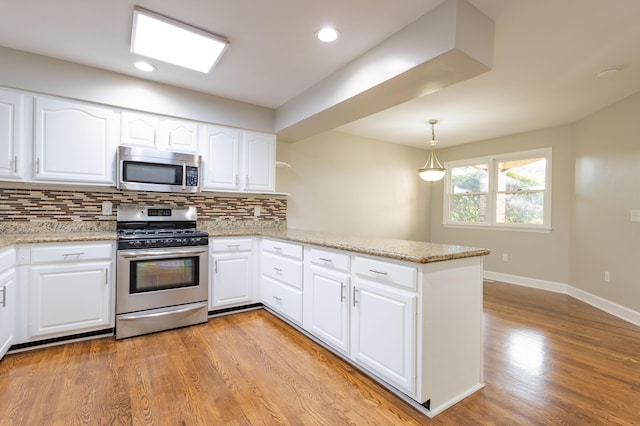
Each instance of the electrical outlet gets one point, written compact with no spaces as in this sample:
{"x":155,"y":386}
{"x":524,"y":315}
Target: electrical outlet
{"x":256,"y":211}
{"x":107,"y":208}
{"x":505,"y":257}
{"x":607,"y":277}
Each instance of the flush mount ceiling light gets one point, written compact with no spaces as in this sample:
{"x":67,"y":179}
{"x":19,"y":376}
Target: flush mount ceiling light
{"x":327,"y":34}
{"x":432,"y":170}
{"x":168,"y":40}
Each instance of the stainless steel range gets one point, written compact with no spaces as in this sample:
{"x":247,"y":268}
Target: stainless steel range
{"x":162,"y":270}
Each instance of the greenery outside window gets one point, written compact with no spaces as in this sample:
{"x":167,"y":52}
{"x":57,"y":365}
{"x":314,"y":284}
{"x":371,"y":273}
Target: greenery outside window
{"x":507,"y":191}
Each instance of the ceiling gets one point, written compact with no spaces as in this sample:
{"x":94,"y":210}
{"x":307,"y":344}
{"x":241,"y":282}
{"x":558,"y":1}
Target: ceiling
{"x":546,"y":56}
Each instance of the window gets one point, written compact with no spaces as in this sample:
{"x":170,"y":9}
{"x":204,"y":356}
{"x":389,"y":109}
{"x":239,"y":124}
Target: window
{"x":509,"y":191}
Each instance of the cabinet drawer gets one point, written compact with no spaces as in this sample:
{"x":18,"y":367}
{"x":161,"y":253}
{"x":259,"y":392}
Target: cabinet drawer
{"x":282,"y":298}
{"x":231,"y":245}
{"x":282,"y":269}
{"x":282,"y":248}
{"x":392,"y":273}
{"x":330,"y":259}
{"x":70,"y":253}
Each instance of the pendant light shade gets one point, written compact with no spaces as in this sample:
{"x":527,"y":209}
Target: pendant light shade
{"x":432,"y":170}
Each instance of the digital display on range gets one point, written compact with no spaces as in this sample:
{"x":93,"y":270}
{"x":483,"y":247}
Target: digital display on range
{"x":159,"y":212}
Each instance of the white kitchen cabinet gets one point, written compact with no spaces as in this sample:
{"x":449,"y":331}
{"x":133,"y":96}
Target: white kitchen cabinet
{"x":221,"y":158}
{"x":237,"y":160}
{"x":383,"y":334}
{"x":139,"y":130}
{"x":259,"y":155}
{"x":281,"y":278}
{"x":12,"y":134}
{"x":327,"y":297}
{"x":74,"y":142}
{"x":151,"y":131}
{"x":70,"y":289}
{"x":231,"y":283}
{"x":7,"y":299}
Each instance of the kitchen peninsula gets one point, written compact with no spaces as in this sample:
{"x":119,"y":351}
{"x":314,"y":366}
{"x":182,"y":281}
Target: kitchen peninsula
{"x":408,"y":313}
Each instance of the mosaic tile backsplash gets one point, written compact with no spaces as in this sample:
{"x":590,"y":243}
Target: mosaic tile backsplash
{"x":28,"y":205}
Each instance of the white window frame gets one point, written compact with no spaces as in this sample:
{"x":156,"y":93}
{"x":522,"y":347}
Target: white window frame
{"x":492,"y":163}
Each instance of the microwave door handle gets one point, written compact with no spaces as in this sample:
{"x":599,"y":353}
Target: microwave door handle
{"x":184,"y":176}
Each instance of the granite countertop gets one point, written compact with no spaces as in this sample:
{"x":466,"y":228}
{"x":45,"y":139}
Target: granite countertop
{"x":410,"y":251}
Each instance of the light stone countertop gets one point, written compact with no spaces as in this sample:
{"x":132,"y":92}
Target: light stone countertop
{"x":410,"y":251}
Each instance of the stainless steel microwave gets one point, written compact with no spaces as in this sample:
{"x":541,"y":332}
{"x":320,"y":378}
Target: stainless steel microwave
{"x":141,"y":169}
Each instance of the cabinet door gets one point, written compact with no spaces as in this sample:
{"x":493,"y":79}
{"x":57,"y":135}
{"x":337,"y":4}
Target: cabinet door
{"x":7,"y":310}
{"x":221,"y":158}
{"x":74,"y":142}
{"x":330,"y":307}
{"x":179,"y":135}
{"x":231,"y":282}
{"x":70,"y":298}
{"x":139,"y":129}
{"x":383,"y":336}
{"x":259,"y":162}
{"x":11,"y":133}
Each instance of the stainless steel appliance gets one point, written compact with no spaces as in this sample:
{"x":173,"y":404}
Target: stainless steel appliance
{"x":160,"y":171}
{"x":162,"y":270}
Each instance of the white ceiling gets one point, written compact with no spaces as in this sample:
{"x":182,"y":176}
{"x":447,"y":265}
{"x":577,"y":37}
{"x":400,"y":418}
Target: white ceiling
{"x":546,"y":56}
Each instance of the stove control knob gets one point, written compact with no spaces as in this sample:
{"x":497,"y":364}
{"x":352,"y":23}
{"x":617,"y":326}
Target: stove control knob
{"x":147,"y":242}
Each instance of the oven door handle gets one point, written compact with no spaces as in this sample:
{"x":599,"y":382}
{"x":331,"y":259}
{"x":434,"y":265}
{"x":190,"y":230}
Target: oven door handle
{"x":141,"y":315}
{"x":155,"y":253}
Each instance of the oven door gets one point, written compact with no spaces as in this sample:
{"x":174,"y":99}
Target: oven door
{"x":162,"y":277}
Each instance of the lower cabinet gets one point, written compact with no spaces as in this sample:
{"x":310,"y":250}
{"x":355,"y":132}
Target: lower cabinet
{"x":383,"y":332}
{"x":231,"y":278}
{"x":365,"y":310}
{"x":281,"y":278}
{"x":70,"y":289}
{"x":7,"y":300}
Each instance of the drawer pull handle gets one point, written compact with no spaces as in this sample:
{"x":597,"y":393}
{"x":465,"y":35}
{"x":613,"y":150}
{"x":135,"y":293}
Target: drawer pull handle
{"x":4,"y":296}
{"x":324,"y":259}
{"x":233,"y":245}
{"x":278,"y":299}
{"x":278,"y":270}
{"x":378,"y":272}
{"x":277,"y":248}
{"x":65,"y":255}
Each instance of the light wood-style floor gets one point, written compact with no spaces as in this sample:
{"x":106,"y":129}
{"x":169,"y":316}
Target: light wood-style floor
{"x":549,"y":359}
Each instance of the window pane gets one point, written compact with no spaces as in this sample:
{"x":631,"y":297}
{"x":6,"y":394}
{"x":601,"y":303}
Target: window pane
{"x":469,"y":179}
{"x":468,"y":208}
{"x":525,"y":208}
{"x":522,"y":175}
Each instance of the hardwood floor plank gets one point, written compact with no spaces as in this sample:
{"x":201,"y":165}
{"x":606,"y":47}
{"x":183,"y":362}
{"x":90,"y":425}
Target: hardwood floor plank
{"x":549,"y":359}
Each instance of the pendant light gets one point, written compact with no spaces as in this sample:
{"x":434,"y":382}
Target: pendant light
{"x":432,"y":170}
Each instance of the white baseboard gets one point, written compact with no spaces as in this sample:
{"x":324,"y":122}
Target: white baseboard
{"x":612,"y":308}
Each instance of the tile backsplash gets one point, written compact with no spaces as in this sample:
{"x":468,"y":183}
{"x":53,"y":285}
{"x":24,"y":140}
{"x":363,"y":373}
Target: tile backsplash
{"x":25,"y":205}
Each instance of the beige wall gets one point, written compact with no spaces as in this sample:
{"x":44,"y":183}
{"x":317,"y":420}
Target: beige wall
{"x":351,"y":185}
{"x":541,"y":256}
{"x":607,"y":188}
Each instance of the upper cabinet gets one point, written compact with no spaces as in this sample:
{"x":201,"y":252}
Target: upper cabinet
{"x":46,"y":139}
{"x":237,"y":160}
{"x":12,"y":118}
{"x":74,"y":142}
{"x":156,"y":132}
{"x":259,"y":161}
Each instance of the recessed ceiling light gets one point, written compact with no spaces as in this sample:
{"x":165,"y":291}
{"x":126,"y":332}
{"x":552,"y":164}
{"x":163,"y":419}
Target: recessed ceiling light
{"x":144,"y":66}
{"x":168,"y":40}
{"x":328,"y":34}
